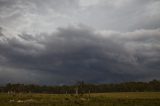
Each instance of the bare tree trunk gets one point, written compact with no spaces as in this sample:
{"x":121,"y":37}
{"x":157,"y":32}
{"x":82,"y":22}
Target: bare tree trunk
{"x":76,"y":91}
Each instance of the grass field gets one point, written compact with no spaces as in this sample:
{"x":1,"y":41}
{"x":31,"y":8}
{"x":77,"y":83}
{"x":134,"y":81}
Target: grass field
{"x":99,"y":99}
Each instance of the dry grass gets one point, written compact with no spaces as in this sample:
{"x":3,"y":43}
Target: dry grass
{"x":99,"y":99}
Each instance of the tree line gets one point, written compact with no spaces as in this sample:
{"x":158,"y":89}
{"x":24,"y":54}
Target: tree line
{"x":81,"y":87}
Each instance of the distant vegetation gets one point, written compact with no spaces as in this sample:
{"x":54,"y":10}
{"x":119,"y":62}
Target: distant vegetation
{"x":82,"y":94}
{"x":81,"y":88}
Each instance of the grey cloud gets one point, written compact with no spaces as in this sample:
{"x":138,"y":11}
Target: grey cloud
{"x":83,"y":54}
{"x":124,"y":15}
{"x":36,"y":16}
{"x":116,"y":40}
{"x":1,"y":34}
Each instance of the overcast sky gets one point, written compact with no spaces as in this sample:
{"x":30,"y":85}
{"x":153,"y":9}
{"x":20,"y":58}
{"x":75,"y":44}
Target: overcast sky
{"x":64,"y":41}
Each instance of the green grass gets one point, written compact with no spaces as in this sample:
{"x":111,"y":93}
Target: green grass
{"x":99,"y":99}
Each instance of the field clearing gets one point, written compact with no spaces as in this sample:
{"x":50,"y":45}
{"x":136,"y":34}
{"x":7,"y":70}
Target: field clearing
{"x":130,"y":95}
{"x":96,"y":99}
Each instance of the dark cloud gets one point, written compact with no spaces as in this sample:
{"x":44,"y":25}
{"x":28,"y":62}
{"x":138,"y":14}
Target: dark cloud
{"x":80,"y":53}
{"x":107,"y":41}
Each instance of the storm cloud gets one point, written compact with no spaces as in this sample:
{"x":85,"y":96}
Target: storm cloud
{"x":64,"y":41}
{"x":72,"y":54}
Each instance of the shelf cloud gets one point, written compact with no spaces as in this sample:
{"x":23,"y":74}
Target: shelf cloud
{"x":63,"y":41}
